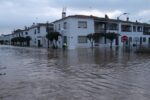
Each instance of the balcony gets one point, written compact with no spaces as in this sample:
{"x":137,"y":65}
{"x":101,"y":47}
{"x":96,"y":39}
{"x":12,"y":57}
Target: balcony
{"x":126,"y":28}
{"x":146,"y":31}
{"x":112,"y":26}
{"x":100,"y":27}
{"x":100,"y":30}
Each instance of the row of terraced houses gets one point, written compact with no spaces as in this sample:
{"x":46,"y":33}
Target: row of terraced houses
{"x":74,"y":30}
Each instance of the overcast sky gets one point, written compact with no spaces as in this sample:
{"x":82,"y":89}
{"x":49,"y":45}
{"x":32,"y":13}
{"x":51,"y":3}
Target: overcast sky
{"x":19,"y":13}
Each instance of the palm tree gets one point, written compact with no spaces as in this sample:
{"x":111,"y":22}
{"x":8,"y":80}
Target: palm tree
{"x":111,"y":37}
{"x":53,"y":36}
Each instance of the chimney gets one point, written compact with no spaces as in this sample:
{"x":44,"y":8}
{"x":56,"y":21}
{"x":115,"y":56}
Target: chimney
{"x":117,"y":18}
{"x":64,"y":13}
{"x":25,"y":28}
{"x":33,"y":24}
{"x":106,"y":16}
{"x":136,"y":21}
{"x":127,"y":18}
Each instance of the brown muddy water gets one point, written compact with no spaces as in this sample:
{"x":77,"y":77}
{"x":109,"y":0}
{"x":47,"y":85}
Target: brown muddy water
{"x":82,"y":74}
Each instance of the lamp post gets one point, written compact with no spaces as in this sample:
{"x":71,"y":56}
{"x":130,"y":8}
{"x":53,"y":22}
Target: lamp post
{"x":118,"y":21}
{"x":121,"y":15}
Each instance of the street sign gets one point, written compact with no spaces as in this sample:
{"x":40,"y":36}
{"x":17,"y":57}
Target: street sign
{"x":124,"y":38}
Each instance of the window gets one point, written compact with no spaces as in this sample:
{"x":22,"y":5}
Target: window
{"x":82,"y":39}
{"x":82,"y":24}
{"x":35,"y":40}
{"x":38,"y":29}
{"x":65,"y":25}
{"x":134,"y":28}
{"x":35,"y":31}
{"x":144,"y":39}
{"x":139,"y":28}
{"x":26,"y":33}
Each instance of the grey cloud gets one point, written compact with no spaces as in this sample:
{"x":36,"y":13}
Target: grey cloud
{"x":17,"y":13}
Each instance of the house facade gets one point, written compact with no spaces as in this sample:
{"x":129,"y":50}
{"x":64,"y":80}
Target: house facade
{"x":74,"y":31}
{"x":36,"y":33}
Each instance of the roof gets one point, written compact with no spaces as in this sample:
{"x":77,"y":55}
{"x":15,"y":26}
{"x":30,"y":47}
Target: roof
{"x":39,"y":24}
{"x":74,"y":16}
{"x":102,"y":19}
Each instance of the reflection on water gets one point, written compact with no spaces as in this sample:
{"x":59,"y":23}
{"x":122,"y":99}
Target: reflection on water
{"x":82,"y":74}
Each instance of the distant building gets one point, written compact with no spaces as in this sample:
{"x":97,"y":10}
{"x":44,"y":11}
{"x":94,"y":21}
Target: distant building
{"x":37,"y":33}
{"x":5,"y":39}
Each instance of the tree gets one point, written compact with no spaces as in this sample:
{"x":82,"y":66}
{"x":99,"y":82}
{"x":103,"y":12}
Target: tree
{"x":90,"y":37}
{"x":94,"y":37}
{"x":111,"y":37}
{"x":53,"y":36}
{"x":1,"y":41}
{"x":13,"y":41}
{"x":21,"y":40}
{"x":97,"y":36}
{"x":27,"y":39}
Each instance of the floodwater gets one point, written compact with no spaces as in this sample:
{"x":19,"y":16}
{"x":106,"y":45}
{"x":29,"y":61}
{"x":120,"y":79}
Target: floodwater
{"x":82,"y":74}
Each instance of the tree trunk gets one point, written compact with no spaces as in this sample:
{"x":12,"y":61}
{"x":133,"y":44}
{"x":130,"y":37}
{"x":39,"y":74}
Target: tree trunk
{"x":92,"y":43}
{"x":48,"y":43}
{"x":111,"y":44}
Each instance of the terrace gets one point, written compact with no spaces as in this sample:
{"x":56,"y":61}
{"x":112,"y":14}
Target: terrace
{"x":126,"y":28}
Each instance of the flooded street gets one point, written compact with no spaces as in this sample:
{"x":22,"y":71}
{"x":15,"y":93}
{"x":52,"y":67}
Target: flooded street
{"x":82,"y":74}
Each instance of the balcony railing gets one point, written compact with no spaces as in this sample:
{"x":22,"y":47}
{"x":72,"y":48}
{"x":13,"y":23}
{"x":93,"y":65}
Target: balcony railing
{"x":146,"y":33}
{"x":100,"y":30}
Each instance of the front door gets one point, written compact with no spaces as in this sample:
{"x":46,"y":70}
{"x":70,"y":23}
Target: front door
{"x":39,"y":43}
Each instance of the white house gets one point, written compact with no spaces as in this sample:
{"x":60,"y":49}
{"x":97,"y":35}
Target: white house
{"x":37,"y":33}
{"x":74,"y":30}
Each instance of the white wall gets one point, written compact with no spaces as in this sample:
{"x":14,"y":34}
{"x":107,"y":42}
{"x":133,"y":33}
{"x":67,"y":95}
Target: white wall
{"x":38,"y":36}
{"x":72,"y":32}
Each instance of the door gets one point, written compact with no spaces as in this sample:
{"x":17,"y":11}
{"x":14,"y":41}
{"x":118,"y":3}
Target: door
{"x":140,"y":40}
{"x":64,"y":45}
{"x":117,"y":41}
{"x":39,"y":43}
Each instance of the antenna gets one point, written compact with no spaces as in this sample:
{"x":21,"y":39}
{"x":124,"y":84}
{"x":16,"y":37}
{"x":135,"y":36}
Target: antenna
{"x":90,"y":10}
{"x":64,"y":12}
{"x":64,"y":9}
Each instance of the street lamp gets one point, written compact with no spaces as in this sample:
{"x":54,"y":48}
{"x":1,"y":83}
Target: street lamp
{"x":121,"y":15}
{"x":118,"y":22}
